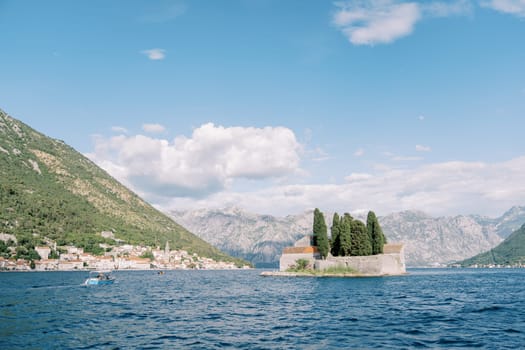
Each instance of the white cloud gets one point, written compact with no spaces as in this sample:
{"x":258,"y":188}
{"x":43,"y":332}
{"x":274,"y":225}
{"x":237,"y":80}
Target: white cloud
{"x":359,"y":152}
{"x":119,"y":129}
{"x":376,"y":21}
{"x":401,"y":158}
{"x":406,"y":158}
{"x":421,"y":148}
{"x":384,"y":21}
{"x":153,"y":128}
{"x":207,"y":162}
{"x":421,"y":117}
{"x":448,"y":188}
{"x":513,"y":7}
{"x":165,"y":14}
{"x":358,"y":177}
{"x":447,"y":9}
{"x":155,"y":54}
{"x":319,"y":155}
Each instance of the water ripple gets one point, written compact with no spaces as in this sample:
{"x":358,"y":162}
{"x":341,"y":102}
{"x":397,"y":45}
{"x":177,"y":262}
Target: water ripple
{"x":240,"y":310}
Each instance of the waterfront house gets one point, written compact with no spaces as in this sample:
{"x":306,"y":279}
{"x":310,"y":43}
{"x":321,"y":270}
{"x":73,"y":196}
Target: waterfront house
{"x":43,"y":252}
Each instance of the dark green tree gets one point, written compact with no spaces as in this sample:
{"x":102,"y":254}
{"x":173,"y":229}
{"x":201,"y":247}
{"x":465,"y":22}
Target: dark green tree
{"x":301,"y":264}
{"x":320,"y":233}
{"x":24,"y":253}
{"x":355,"y":245}
{"x":361,"y":244}
{"x":148,"y":255}
{"x":54,"y":254}
{"x":345,"y":235}
{"x":3,"y":248}
{"x":375,"y":233}
{"x":33,"y":255}
{"x":336,"y":238}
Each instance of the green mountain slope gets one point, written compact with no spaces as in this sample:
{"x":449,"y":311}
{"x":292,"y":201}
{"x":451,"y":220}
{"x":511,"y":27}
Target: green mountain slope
{"x":49,"y":190}
{"x":510,"y":252}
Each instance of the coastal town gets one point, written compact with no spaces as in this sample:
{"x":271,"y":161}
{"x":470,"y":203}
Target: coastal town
{"x":122,"y":257}
{"x":518,"y":265}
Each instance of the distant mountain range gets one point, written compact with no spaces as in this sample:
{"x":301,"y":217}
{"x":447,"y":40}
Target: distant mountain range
{"x":438,"y":241}
{"x":428,"y":241}
{"x":50,"y":192}
{"x":510,"y":252}
{"x":257,"y":238}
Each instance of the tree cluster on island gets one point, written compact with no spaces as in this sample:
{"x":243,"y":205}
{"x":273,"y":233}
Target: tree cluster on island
{"x":349,"y":236}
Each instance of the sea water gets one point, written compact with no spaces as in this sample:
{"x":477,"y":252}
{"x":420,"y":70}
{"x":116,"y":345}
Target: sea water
{"x":429,"y":308}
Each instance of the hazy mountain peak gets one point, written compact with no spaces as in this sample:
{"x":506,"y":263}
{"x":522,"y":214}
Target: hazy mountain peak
{"x":513,"y":212}
{"x":410,"y":215}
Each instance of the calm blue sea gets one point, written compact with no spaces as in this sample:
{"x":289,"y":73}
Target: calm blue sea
{"x":434,"y":308}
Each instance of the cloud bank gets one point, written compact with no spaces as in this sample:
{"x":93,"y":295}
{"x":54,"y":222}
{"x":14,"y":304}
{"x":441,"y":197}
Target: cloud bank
{"x":202,"y":170}
{"x":447,"y":188}
{"x":198,"y":166}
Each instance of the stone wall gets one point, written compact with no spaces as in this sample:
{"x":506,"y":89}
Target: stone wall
{"x":288,"y":260}
{"x":390,"y":263}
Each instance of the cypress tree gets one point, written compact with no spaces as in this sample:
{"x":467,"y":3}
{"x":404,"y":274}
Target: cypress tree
{"x":363,"y":246}
{"x":336,"y":238}
{"x":355,"y":245}
{"x":315,"y":227}
{"x":370,"y":228}
{"x":375,"y":233}
{"x":320,"y":233}
{"x":345,"y":238}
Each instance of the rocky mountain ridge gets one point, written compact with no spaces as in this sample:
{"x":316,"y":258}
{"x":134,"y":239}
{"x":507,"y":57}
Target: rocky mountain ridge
{"x":429,"y":241}
{"x":257,"y":238}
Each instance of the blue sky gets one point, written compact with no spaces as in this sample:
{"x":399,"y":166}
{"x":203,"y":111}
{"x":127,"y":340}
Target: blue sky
{"x":281,"y":106}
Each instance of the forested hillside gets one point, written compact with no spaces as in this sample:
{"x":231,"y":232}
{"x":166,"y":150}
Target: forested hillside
{"x":49,"y":191}
{"x":510,"y":252}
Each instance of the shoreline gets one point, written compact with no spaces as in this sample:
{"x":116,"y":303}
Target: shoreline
{"x":321,"y":274}
{"x":116,"y":270}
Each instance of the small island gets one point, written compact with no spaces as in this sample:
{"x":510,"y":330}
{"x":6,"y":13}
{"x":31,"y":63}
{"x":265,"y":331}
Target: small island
{"x":353,"y":250}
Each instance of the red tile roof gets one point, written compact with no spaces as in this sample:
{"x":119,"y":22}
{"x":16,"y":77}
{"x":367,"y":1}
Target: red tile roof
{"x":300,"y":250}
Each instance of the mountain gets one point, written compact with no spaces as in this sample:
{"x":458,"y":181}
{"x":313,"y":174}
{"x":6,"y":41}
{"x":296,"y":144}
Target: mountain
{"x":256,"y":238}
{"x":509,"y":221}
{"x":510,"y":252}
{"x":49,"y":191}
{"x":437,"y":241}
{"x":428,"y":241}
